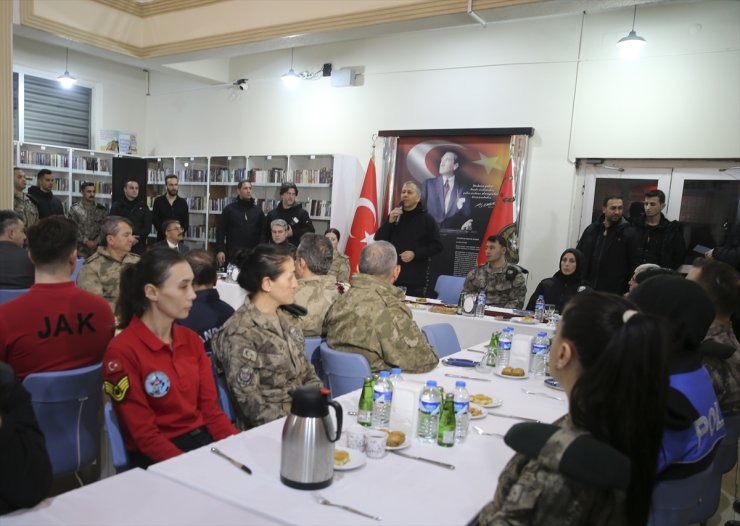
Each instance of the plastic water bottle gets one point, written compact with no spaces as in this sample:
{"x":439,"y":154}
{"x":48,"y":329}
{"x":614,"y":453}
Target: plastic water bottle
{"x":480,"y":305}
{"x":540,"y":346}
{"x":504,"y":346}
{"x":429,"y":407}
{"x":229,"y":270}
{"x":382,"y":396}
{"x":462,"y":415}
{"x":395,"y":376}
{"x":539,"y":308}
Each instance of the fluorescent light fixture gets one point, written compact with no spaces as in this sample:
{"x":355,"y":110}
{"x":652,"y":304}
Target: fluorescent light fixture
{"x":291,"y":78}
{"x":65,"y":79}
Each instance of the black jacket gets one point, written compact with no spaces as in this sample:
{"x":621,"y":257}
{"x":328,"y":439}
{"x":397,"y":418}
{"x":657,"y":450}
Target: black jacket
{"x":558,"y":290}
{"x":25,"y":469}
{"x":208,"y":313}
{"x":730,"y":251}
{"x":47,"y":204}
{"x":240,"y":227}
{"x":415,"y":230}
{"x":609,"y":260}
{"x":139,"y":214}
{"x":16,"y":270}
{"x":295,"y":216}
{"x":662,"y":244}
{"x":162,"y":211}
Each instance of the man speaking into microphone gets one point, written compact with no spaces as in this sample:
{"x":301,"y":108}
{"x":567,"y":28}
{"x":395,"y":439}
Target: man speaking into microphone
{"x":415,"y":234}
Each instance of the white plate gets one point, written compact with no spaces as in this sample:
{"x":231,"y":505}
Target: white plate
{"x":497,"y":402}
{"x":483,"y":414}
{"x":509,"y":377}
{"x":553,"y":384}
{"x":525,"y":321}
{"x":406,"y":443}
{"x":357,"y":459}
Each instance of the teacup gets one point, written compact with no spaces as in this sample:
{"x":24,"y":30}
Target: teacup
{"x":356,"y":438}
{"x":375,"y":441}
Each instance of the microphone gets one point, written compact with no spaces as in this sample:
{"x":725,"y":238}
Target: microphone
{"x":400,"y":205}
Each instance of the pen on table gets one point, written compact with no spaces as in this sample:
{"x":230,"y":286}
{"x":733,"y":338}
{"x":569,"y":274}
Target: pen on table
{"x":234,"y":462}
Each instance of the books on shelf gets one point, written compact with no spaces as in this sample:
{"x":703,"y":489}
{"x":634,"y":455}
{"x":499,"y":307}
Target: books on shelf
{"x":278,"y":175}
{"x":192,"y":175}
{"x":196,"y":203}
{"x":52,"y":160}
{"x":61,"y":185}
{"x":224,"y":175}
{"x":273,"y":175}
{"x":100,"y":186}
{"x":199,"y":232}
{"x":318,"y":207}
{"x":157,"y":175}
{"x":90,"y":164}
{"x":218,"y":204}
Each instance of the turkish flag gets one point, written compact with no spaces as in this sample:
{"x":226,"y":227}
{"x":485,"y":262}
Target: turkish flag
{"x":503,"y":212}
{"x":365,"y":222}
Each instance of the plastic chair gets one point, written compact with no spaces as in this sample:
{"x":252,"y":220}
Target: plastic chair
{"x":442,"y":337}
{"x":115,"y":439}
{"x":11,"y":294}
{"x":67,"y":406}
{"x":345,"y":371}
{"x":674,"y":501}
{"x":222,"y":392}
{"x":448,"y":288}
{"x":76,"y":271}
{"x":312,"y":345}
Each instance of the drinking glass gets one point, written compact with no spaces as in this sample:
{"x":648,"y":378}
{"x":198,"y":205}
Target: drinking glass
{"x":550,"y":310}
{"x":553,"y":319}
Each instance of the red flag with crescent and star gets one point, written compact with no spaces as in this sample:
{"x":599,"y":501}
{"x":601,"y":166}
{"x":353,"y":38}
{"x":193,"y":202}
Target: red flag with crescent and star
{"x":503,"y":212}
{"x":365,"y":222}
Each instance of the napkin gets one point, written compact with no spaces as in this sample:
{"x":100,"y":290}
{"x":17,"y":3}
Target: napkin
{"x":405,"y":406}
{"x":521,"y":350}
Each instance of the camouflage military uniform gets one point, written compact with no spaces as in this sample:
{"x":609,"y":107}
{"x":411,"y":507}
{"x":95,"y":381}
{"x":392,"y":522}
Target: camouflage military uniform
{"x":88,"y":219}
{"x":101,"y":273}
{"x":25,"y":207}
{"x":500,"y":290}
{"x":317,"y":294}
{"x":340,"y":267}
{"x":263,"y":362}
{"x":532,"y":490}
{"x":725,"y":373}
{"x":370,"y":319}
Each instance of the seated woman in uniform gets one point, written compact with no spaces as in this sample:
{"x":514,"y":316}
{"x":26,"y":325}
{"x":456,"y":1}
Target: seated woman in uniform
{"x":564,"y":284}
{"x":340,"y":263}
{"x":156,"y":371}
{"x":597,"y":465}
{"x":261,"y":347}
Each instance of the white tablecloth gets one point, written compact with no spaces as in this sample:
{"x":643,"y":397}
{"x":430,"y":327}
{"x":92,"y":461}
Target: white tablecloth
{"x":136,"y":497}
{"x":401,"y":490}
{"x":231,"y":293}
{"x":471,"y":330}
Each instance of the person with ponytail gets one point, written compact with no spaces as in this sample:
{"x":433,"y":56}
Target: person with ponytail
{"x":261,"y":347}
{"x":157,"y":372}
{"x":596,"y":465}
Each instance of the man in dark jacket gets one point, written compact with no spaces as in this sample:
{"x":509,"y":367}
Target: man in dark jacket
{"x":47,"y":204}
{"x":136,"y":211}
{"x":25,"y":469}
{"x":170,"y":206}
{"x":415,"y":234}
{"x":729,"y":252}
{"x":241,"y":225}
{"x":291,"y":212}
{"x":610,"y":249}
{"x":660,"y":240}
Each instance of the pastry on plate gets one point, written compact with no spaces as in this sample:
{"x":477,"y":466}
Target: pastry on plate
{"x":481,"y":399}
{"x":395,"y":438}
{"x":341,"y":457}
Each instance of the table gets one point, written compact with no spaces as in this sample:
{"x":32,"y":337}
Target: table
{"x":401,"y":490}
{"x":132,"y":498}
{"x":471,"y":330}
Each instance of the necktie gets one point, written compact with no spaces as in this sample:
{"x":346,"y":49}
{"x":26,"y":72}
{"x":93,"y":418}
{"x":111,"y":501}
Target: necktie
{"x":446,"y":189}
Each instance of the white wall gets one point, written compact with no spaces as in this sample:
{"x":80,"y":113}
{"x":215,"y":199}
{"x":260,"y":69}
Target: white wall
{"x":119,"y":93}
{"x":680,"y":100}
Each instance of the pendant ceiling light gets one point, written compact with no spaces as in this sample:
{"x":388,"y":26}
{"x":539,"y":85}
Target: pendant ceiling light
{"x":66,"y":80}
{"x":632,"y":43}
{"x":291,"y":77}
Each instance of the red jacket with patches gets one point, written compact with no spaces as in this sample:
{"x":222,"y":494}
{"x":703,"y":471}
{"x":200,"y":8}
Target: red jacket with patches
{"x":179,"y":397}
{"x":54,"y":327}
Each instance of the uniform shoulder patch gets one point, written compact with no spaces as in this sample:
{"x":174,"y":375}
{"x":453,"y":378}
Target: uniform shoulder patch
{"x":118,"y":390}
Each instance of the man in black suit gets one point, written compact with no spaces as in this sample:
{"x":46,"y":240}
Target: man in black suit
{"x":173,"y":233}
{"x":135,"y":210}
{"x":446,"y":197}
{"x":16,"y":270}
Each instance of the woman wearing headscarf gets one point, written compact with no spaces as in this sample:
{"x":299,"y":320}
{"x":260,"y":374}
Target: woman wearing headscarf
{"x":564,"y":284}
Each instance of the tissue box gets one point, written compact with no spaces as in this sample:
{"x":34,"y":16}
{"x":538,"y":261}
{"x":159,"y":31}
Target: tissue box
{"x":405,"y":406}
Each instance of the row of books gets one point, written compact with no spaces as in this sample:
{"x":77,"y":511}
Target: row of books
{"x":52,"y":160}
{"x":225,"y":175}
{"x":100,"y":186}
{"x":273,"y":175}
{"x":318,"y":207}
{"x":320,"y":176}
{"x":156,"y":176}
{"x":192,"y":175}
{"x":60,"y":185}
{"x":91,"y":164}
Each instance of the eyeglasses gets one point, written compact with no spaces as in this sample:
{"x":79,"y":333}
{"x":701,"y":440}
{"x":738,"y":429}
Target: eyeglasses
{"x":175,"y":229}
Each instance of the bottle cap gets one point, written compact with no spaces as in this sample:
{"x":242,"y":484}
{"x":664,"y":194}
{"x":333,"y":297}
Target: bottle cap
{"x":542,"y":334}
{"x":459,"y":383}
{"x":384,"y":374}
{"x":508,"y":329}
{"x":431,"y":383}
{"x":396,"y":370}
